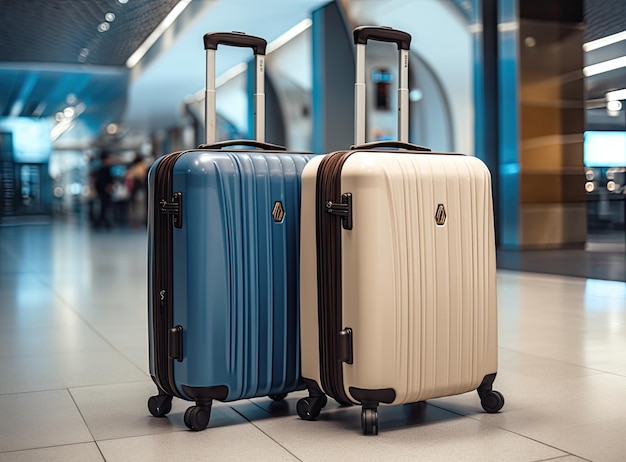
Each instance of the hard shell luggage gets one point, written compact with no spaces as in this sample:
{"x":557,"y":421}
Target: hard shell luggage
{"x":398,"y":296}
{"x":224,"y":245}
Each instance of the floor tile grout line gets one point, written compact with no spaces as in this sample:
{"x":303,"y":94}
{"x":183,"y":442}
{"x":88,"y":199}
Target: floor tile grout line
{"x":86,"y":424}
{"x":511,"y":431}
{"x":47,"y":447}
{"x":93,"y":328}
{"x":69,"y":392}
{"x":44,"y":390}
{"x":261,"y":430}
{"x":563,"y":457}
{"x":545,"y":358}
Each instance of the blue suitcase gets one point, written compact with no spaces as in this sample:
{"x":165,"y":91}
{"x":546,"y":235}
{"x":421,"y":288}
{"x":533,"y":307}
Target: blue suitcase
{"x":223,"y":257}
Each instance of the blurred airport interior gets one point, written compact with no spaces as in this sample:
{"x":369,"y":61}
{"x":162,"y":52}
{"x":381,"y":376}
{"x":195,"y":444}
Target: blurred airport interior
{"x":93,"y":92}
{"x":533,"y":90}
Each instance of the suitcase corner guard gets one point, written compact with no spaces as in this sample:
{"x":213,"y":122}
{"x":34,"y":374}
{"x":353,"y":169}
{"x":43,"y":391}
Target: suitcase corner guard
{"x":381,"y":395}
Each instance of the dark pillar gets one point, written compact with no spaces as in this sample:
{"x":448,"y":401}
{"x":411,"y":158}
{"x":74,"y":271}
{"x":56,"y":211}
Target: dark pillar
{"x":486,"y":89}
{"x":333,"y":80}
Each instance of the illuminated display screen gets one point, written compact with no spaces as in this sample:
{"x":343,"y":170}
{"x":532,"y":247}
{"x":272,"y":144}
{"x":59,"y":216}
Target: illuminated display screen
{"x":605,"y":149}
{"x":381,"y":76}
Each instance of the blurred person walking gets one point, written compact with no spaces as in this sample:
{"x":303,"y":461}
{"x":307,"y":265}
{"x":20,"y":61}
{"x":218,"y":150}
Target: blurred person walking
{"x":104,"y":189}
{"x":136,"y":182}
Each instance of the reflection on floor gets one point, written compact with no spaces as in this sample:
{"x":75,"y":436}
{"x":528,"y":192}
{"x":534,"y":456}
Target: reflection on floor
{"x":74,"y":381}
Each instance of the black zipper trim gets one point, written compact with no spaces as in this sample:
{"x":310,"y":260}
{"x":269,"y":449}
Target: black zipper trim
{"x":162,"y":276}
{"x":329,"y":288}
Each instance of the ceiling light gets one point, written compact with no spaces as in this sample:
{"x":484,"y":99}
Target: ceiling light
{"x":103,"y":27}
{"x":82,"y":56}
{"x":605,"y":66}
{"x":69,"y":112}
{"x":616,"y":95}
{"x":156,"y":33}
{"x":109,"y":17}
{"x":123,"y":2}
{"x":510,"y":26}
{"x":614,"y":105}
{"x":415,"y":95}
{"x":604,"y":41}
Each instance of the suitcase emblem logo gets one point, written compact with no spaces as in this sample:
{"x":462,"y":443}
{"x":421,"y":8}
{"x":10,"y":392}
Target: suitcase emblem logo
{"x":278,"y":212}
{"x":440,"y":215}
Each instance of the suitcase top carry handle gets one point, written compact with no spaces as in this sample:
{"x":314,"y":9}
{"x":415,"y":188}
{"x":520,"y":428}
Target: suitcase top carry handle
{"x":238,"y":39}
{"x":383,"y":34}
{"x":390,"y":144}
{"x":235,"y":39}
{"x":403,"y":40}
{"x":256,"y":144}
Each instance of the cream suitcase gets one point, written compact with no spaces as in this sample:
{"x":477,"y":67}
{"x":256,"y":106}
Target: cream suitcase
{"x":398,"y":296}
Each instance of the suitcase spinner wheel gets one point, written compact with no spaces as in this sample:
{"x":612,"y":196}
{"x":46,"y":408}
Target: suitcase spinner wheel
{"x":491,"y":400}
{"x":309,"y":408}
{"x":160,"y":405}
{"x":369,"y":420}
{"x":197,"y":417}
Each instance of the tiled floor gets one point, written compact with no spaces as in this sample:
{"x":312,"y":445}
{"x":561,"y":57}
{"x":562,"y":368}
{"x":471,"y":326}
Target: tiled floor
{"x":74,"y":382}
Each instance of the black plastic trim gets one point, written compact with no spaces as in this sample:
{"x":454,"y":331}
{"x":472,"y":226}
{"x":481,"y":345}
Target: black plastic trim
{"x":345,"y":346}
{"x":329,"y":288}
{"x":175,"y":344}
{"x":162,"y":278}
{"x":219,"y":392}
{"x":235,"y":39}
{"x":256,"y":144}
{"x":382,"y":395}
{"x":313,"y":387}
{"x":383,"y":34}
{"x":391,"y":144}
{"x":486,"y":385}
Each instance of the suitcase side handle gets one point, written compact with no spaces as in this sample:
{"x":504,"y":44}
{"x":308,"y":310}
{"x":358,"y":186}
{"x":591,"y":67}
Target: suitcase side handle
{"x":390,"y":144}
{"x":385,"y":34}
{"x":253,"y":143}
{"x":235,"y":39}
{"x":238,"y":39}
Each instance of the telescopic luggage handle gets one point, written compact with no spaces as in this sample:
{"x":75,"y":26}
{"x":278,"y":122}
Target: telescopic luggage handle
{"x":236,"y":39}
{"x":403,"y":40}
{"x":383,"y":34}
